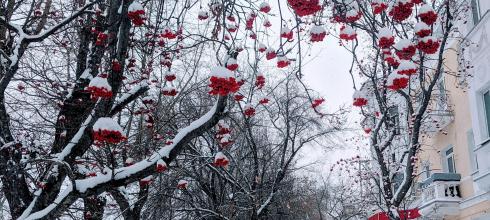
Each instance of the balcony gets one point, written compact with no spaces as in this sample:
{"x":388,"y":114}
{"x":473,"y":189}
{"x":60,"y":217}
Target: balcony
{"x":439,"y":115}
{"x":437,"y":120}
{"x":440,"y":195}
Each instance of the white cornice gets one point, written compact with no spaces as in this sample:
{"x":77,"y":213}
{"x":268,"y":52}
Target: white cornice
{"x":471,"y":201}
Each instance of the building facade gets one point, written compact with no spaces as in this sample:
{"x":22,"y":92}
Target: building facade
{"x":454,"y":162}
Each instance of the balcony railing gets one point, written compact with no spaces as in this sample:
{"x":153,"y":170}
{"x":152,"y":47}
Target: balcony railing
{"x":441,"y":195}
{"x":440,"y":116}
{"x":442,"y":190}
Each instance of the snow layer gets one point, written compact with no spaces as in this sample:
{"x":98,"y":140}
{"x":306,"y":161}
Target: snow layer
{"x":82,"y":185}
{"x":221,"y":72}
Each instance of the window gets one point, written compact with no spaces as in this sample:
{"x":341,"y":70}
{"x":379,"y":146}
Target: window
{"x":486,"y":104}
{"x":427,"y":170}
{"x":471,"y":148}
{"x":450,"y":166}
{"x":397,"y":180}
{"x":394,"y":119}
{"x":475,"y":11}
{"x":419,"y":97}
{"x":441,"y":86}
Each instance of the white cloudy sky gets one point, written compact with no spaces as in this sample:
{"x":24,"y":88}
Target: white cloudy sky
{"x":326,"y":72}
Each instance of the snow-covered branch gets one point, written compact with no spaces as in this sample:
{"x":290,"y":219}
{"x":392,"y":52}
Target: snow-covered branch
{"x":128,"y":97}
{"x":146,"y":167}
{"x":53,"y":29}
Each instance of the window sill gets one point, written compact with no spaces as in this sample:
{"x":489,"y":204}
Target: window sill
{"x":484,"y":16}
{"x":473,"y":173}
{"x":481,"y":176}
{"x":482,"y":144}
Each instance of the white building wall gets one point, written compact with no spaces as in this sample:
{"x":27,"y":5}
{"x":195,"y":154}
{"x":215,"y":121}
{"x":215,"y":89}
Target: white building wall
{"x":478,"y":53}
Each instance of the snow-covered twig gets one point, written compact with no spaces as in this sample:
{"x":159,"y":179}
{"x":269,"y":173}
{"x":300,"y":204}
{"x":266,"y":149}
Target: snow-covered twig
{"x":203,"y":210}
{"x":265,"y":204}
{"x":51,"y":30}
{"x":128,"y":97}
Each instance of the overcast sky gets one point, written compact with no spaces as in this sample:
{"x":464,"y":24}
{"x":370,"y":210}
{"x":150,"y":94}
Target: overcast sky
{"x":326,"y":71}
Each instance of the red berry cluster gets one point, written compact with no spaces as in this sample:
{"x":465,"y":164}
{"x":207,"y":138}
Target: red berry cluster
{"x":282,"y":62}
{"x":407,"y":72}
{"x":203,"y":15}
{"x":223,"y":135}
{"x":108,"y":136}
{"x":137,"y":17}
{"x":359,"y":102}
{"x":220,"y":160}
{"x":167,"y":33}
{"x":317,"y":37}
{"x":99,"y":90}
{"x":264,"y":101}
{"x":259,"y":81}
{"x":429,"y":17}
{"x":271,"y":54}
{"x":239,"y":97}
{"x":378,"y":7}
{"x":428,"y":45}
{"x":304,"y":8}
{"x":423,"y":33}
{"x":287,"y":33}
{"x":406,"y":53}
{"x":249,"y":111}
{"x":317,"y":102}
{"x":401,"y":11}
{"x":232,"y":64}
{"x":169,"y":91}
{"x":101,"y":39}
{"x":249,"y":22}
{"x":386,"y":42}
{"x":116,"y":66}
{"x":398,"y":83}
{"x":223,"y":86}
{"x":391,"y":61}
{"x":265,"y":7}
{"x":161,"y":166}
{"x":182,"y":184}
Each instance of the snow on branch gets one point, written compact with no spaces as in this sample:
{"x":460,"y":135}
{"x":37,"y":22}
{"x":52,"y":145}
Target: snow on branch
{"x":17,"y":29}
{"x":76,"y":138}
{"x":128,"y":97}
{"x":203,"y":210}
{"x":6,"y":57}
{"x":7,"y":145}
{"x":46,"y":211}
{"x":266,"y":203}
{"x":51,"y":30}
{"x":61,"y":156}
{"x":145,"y":167}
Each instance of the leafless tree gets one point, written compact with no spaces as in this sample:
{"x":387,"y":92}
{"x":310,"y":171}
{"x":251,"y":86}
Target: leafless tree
{"x":73,"y":72}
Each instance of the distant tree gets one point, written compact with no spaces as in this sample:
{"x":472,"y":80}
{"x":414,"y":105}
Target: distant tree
{"x":243,"y":169}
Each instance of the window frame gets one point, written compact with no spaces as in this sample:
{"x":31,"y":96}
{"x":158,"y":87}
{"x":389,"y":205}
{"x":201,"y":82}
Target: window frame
{"x":426,"y":169}
{"x":486,"y":114}
{"x":475,"y":17}
{"x":446,"y":159}
{"x":394,"y":118}
{"x":442,"y":101}
{"x":470,"y":140}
